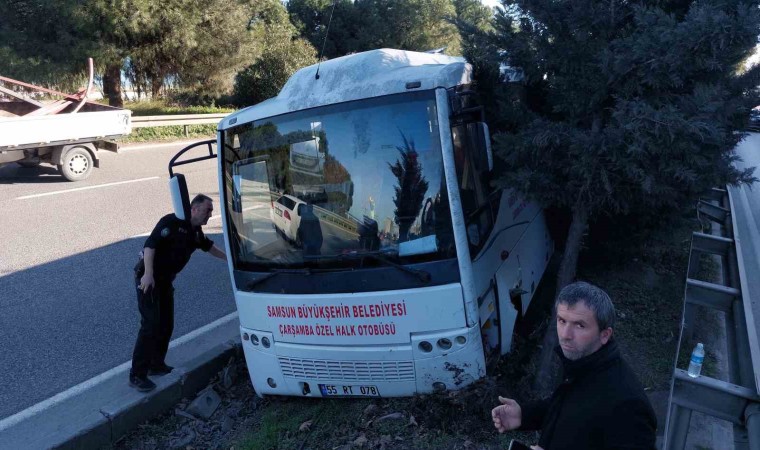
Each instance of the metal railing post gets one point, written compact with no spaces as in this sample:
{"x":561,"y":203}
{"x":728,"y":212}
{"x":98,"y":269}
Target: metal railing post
{"x":678,"y":428}
{"x":752,"y":415}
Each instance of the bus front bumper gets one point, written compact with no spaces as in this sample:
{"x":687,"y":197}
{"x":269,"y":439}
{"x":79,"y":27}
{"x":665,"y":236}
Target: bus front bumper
{"x":437,"y":361}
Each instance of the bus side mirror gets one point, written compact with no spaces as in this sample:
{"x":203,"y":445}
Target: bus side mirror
{"x":180,"y":197}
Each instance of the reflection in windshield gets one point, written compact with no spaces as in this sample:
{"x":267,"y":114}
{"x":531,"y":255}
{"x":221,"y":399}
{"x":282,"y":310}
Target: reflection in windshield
{"x":363,"y":176}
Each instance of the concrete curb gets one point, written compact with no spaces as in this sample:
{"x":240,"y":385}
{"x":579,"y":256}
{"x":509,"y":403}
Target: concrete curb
{"x":109,"y":410}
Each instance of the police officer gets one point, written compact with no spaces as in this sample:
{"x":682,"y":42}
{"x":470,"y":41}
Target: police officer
{"x":165,"y":253}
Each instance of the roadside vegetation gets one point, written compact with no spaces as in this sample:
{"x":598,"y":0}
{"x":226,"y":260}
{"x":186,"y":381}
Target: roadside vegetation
{"x":644,"y":274}
{"x":164,"y":108}
{"x":170,"y":133}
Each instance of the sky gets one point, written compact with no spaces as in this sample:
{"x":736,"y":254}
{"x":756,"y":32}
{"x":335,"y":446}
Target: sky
{"x":491,"y":3}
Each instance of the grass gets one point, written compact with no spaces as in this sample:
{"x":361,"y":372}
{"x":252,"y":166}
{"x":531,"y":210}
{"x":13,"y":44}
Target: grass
{"x":706,"y":324}
{"x":170,"y":133}
{"x":647,"y":287}
{"x":161,"y":108}
{"x":292,"y":423}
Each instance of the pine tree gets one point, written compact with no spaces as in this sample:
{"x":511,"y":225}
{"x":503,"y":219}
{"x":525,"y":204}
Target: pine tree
{"x":282,"y":54}
{"x":361,"y":25}
{"x":411,"y":188}
{"x":629,"y":107}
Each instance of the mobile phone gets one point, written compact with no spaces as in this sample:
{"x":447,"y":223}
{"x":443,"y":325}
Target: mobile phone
{"x":517,"y":445}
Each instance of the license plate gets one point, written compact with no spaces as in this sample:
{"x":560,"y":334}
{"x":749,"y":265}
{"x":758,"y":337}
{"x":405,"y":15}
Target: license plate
{"x":333,"y":390}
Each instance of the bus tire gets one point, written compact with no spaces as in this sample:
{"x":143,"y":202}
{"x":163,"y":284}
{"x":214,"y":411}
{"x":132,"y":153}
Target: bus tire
{"x":77,"y":164}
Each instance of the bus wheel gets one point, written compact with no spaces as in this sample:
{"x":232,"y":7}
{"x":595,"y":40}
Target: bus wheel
{"x":77,"y":164}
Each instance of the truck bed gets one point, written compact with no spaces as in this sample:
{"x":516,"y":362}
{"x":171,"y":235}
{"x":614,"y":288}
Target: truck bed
{"x":92,"y":122}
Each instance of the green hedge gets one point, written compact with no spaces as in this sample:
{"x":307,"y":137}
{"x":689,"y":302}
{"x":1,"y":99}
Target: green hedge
{"x":170,"y":133}
{"x":161,"y":108}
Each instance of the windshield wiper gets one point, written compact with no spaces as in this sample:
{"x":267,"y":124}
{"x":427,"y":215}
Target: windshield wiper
{"x":422,"y":275}
{"x":275,"y":272}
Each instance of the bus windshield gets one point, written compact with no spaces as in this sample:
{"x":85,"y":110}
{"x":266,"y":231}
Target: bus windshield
{"x":314,"y":188}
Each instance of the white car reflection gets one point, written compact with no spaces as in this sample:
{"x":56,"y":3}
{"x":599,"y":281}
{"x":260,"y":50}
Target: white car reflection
{"x":286,"y":217}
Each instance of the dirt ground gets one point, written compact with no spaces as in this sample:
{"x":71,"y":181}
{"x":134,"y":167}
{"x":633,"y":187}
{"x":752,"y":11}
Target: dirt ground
{"x":646,"y":287}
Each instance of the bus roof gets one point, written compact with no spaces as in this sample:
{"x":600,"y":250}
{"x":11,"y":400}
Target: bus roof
{"x":368,"y":74}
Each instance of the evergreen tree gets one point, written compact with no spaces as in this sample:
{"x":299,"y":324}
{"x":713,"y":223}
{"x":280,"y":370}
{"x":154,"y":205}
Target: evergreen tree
{"x":192,"y":44}
{"x":41,"y":42}
{"x":282,"y":53}
{"x":197,"y":44}
{"x":362,"y":25}
{"x":411,"y":188}
{"x":629,"y":107}
{"x":311,"y":18}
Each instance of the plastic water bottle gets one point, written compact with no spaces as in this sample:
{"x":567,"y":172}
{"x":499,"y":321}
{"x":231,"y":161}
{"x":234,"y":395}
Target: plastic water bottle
{"x":697,"y":356}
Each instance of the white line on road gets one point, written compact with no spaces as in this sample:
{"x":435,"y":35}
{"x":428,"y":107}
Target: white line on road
{"x":79,"y":388}
{"x":66,"y":191}
{"x":146,"y":234}
{"x":216,"y":217}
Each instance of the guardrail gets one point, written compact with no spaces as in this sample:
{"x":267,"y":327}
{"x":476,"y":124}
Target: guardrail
{"x":184,"y":120}
{"x":735,"y":400}
{"x":337,"y":220}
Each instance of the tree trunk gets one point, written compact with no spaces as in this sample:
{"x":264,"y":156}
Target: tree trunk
{"x":403,"y":231}
{"x":112,"y":85}
{"x":549,"y":370}
{"x":155,"y":87}
{"x":569,"y":264}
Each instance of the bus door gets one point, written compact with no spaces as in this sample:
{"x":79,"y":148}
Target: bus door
{"x":177,"y":184}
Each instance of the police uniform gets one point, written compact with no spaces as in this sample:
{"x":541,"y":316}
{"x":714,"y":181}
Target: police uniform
{"x":174,"y":241}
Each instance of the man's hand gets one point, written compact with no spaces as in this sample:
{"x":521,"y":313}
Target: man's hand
{"x":218,"y":252}
{"x":507,"y":416}
{"x":535,"y":447}
{"x":146,"y":282}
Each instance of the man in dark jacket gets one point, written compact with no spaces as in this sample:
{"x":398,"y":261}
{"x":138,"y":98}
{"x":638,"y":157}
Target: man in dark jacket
{"x":600,"y":403}
{"x":165,"y":253}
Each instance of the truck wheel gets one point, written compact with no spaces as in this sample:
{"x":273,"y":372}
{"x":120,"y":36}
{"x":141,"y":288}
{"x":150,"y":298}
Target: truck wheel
{"x":77,"y":164}
{"x":28,"y":164}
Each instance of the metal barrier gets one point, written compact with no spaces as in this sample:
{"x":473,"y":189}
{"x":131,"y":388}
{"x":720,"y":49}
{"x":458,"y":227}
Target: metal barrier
{"x":348,"y":225}
{"x":735,"y":400}
{"x":180,"y":119}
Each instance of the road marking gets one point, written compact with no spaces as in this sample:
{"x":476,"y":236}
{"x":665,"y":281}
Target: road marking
{"x":66,"y":191}
{"x":75,"y":390}
{"x":148,"y":233}
{"x":216,"y":217}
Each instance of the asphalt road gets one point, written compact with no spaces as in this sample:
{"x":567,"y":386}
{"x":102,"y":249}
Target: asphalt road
{"x":67,"y":302}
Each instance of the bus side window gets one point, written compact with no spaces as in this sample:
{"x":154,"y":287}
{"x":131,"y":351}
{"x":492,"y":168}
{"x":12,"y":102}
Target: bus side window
{"x":474,"y":189}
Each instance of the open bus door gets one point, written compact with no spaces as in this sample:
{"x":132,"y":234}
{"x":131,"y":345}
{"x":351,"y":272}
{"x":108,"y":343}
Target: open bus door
{"x":177,"y":183}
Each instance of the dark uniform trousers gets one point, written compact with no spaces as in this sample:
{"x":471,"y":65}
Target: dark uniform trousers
{"x":156,"y":326}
